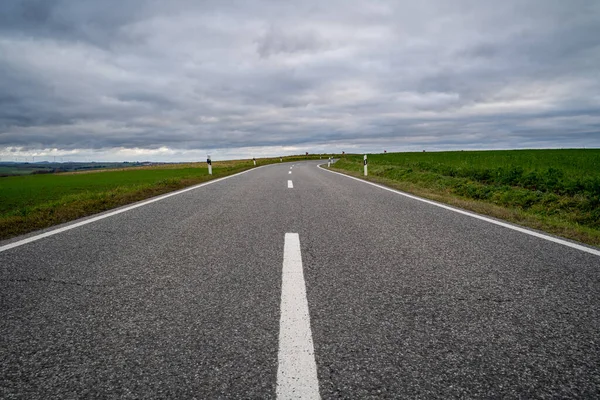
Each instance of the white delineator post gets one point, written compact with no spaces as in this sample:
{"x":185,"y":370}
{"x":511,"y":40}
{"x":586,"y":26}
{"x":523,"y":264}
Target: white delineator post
{"x":209,"y":162}
{"x":365,"y":161}
{"x":329,"y":162}
{"x":254,"y":159}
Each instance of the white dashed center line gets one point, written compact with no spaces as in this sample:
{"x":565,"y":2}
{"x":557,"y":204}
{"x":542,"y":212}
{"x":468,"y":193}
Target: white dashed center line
{"x":290,"y":185}
{"x":297,"y":369}
{"x":290,"y":172}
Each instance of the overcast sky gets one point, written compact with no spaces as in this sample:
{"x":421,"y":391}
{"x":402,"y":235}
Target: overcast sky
{"x":175,"y":80}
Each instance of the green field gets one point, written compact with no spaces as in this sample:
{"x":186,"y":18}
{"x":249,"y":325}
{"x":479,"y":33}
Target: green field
{"x":20,"y":194}
{"x":33,"y":202}
{"x":4,"y":170}
{"x":554,"y":190}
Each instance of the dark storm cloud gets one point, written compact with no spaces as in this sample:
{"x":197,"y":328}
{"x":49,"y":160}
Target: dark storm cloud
{"x":237,"y":74}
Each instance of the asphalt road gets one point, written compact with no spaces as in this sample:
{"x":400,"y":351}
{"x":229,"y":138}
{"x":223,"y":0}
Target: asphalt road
{"x":181,"y":298}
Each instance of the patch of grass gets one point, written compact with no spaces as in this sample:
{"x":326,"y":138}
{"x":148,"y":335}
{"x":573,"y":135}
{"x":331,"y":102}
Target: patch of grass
{"x":557,"y":191}
{"x":33,"y":202}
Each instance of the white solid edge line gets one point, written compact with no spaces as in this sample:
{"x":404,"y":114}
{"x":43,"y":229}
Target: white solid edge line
{"x":290,"y":185}
{"x":119,"y":211}
{"x":297,"y":368}
{"x":503,"y":224}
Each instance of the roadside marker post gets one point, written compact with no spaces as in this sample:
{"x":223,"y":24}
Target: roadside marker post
{"x":365,"y":161}
{"x":209,"y":162}
{"x":329,"y":162}
{"x":280,"y":159}
{"x":254,"y":159}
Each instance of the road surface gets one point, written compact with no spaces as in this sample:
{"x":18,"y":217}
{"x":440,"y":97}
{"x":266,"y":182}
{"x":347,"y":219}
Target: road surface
{"x":289,"y":282}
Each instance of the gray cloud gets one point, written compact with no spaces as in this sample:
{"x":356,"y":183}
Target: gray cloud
{"x":192,"y":76}
{"x":276,"y":40}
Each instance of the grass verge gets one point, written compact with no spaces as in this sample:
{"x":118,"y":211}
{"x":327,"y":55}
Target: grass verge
{"x":33,"y":202}
{"x":558,"y":192}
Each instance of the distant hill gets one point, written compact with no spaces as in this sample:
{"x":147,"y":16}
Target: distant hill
{"x":11,"y":168}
